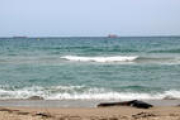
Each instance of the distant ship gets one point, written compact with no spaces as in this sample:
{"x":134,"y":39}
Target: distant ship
{"x":112,"y":36}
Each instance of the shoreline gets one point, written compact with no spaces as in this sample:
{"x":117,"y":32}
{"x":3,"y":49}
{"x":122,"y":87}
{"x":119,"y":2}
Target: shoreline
{"x":76,"y":103}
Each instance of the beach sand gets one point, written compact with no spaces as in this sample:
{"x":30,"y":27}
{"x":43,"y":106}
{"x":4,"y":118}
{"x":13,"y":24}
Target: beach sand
{"x":108,"y":113}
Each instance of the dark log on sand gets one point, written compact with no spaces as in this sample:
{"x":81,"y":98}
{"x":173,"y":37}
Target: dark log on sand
{"x":134,"y":103}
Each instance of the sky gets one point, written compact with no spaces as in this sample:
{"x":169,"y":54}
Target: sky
{"x":56,"y":18}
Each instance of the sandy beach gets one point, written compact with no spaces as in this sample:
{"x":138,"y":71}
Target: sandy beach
{"x":108,"y":113}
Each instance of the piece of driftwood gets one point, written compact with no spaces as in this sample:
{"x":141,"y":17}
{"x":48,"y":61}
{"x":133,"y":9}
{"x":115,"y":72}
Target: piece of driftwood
{"x":43,"y":115}
{"x":143,"y":115}
{"x":134,"y":103}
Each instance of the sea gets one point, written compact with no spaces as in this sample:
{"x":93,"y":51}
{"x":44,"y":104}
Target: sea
{"x":90,"y":68}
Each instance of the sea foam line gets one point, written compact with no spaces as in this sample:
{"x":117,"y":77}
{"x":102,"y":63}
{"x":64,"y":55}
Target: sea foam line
{"x":82,"y":93}
{"x":101,"y":59}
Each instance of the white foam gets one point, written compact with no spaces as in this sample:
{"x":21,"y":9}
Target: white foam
{"x":115,"y":96}
{"x":102,"y":96}
{"x":101,"y":59}
{"x":21,"y":93}
{"x":82,"y":93}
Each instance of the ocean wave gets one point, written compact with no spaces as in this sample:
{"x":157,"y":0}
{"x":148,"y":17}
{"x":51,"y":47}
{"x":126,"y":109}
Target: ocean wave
{"x":82,"y":93}
{"x":97,"y":59}
{"x":123,"y":59}
{"x":101,"y":59}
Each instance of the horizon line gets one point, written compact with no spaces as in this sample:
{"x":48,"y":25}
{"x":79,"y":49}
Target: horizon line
{"x":88,"y":36}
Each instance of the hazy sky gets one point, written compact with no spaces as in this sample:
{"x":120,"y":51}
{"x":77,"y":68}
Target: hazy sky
{"x":89,"y":17}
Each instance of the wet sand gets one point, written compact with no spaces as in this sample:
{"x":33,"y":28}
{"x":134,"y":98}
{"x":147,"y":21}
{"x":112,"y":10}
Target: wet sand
{"x":74,"y":103}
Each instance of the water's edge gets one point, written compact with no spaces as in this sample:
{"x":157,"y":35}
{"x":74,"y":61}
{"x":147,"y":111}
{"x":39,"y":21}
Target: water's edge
{"x":74,"y":103}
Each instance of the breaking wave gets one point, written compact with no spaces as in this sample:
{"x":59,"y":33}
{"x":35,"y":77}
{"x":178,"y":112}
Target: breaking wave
{"x":101,"y":59}
{"x":123,"y":59}
{"x":81,"y":93}
{"x":97,"y":59}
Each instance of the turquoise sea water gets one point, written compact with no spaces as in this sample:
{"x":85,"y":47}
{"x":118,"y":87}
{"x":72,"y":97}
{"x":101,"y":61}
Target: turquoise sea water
{"x":90,"y":68}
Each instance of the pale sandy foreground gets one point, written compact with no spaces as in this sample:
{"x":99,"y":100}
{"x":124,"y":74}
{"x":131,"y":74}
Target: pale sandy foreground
{"x":110,"y":113}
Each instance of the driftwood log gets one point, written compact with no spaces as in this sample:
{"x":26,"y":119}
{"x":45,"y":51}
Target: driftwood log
{"x":133,"y":103}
